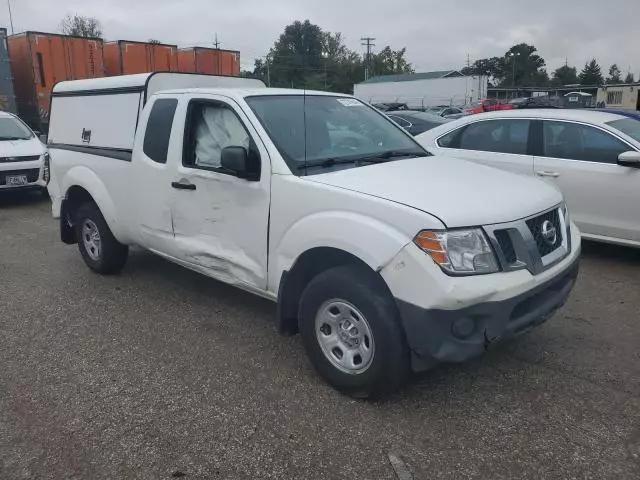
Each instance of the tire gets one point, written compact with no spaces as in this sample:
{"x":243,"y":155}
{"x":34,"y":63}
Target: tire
{"x":342,"y":294}
{"x":99,"y":248}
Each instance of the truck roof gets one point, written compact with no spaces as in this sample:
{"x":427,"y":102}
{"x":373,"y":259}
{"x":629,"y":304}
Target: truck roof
{"x":150,"y":83}
{"x":250,"y":92}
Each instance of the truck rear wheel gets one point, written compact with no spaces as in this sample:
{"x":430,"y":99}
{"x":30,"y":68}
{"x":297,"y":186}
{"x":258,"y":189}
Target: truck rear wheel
{"x":99,"y":248}
{"x":352,"y":333}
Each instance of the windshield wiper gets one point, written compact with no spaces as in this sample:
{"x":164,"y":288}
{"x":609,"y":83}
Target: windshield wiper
{"x":13,"y":138}
{"x":381,"y":157}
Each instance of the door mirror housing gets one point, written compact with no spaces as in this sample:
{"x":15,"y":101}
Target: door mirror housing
{"x":241,"y":163}
{"x":629,"y":159}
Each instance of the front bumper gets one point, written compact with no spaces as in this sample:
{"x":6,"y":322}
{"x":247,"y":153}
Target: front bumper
{"x":439,"y":335}
{"x":32,"y":170}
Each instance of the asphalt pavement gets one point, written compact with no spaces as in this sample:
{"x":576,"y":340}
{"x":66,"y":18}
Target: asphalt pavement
{"x":161,"y":373}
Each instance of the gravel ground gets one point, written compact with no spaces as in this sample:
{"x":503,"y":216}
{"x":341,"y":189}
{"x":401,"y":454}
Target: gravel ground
{"x":162,"y":373}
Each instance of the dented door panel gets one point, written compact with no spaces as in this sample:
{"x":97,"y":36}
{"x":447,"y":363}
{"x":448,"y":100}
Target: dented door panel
{"x":221,"y":226}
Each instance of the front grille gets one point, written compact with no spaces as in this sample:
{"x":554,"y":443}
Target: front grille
{"x":537,"y":225}
{"x":29,"y":158}
{"x":506,"y":245}
{"x":32,"y":175}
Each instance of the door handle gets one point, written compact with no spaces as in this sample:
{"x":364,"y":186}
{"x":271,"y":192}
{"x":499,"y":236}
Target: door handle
{"x":183,"y":186}
{"x":543,"y":173}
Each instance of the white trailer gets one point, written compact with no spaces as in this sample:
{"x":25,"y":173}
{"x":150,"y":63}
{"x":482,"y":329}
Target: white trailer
{"x":422,"y":90}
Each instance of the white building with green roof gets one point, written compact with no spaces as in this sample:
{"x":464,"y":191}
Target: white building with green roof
{"x":424,"y":89}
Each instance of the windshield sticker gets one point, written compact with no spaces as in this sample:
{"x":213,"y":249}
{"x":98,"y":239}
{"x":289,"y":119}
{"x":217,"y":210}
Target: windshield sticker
{"x":350,"y":102}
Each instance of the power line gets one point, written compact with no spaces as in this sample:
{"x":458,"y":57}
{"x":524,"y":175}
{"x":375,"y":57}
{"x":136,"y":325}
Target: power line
{"x":367,"y":42}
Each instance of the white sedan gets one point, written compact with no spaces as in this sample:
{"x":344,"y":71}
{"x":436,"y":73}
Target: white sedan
{"x":24,"y":162}
{"x":592,"y":156}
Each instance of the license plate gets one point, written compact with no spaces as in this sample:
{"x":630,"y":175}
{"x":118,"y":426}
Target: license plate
{"x":16,"y":180}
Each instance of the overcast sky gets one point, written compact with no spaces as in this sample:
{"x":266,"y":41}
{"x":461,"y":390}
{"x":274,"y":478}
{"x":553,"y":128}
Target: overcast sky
{"x":438,"y":34}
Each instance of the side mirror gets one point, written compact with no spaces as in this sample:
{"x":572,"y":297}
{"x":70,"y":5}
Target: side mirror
{"x":629,"y":159}
{"x":238,"y":161}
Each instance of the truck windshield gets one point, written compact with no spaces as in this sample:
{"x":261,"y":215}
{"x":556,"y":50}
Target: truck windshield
{"x":13,"y":129}
{"x":315,"y":132}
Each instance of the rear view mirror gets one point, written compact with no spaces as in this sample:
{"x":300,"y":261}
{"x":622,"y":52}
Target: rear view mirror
{"x":238,"y":161}
{"x":629,"y":159}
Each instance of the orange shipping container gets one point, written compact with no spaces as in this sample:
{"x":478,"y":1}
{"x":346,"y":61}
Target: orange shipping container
{"x":209,"y":61}
{"x":126,"y":57}
{"x":40,"y":60}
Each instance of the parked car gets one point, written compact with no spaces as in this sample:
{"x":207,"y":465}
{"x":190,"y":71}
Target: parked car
{"x":486,"y":105}
{"x":383,"y":257}
{"x":455,"y":116}
{"x":416,"y":122}
{"x":635,"y":114}
{"x":593,"y":157}
{"x":444,"y":111}
{"x":24,"y":161}
{"x":387,"y":107}
{"x":542,"y":101}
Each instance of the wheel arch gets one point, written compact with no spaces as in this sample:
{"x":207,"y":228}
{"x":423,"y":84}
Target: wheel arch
{"x":307,"y":266}
{"x":82,"y":185}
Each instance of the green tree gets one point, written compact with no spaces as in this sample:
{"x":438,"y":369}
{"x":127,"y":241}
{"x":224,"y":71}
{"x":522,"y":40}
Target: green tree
{"x":520,"y":65}
{"x":491,"y":67}
{"x":523,"y":66}
{"x":342,"y":68}
{"x":295,"y":60}
{"x":565,"y":75}
{"x":629,"y":78}
{"x":305,"y":56}
{"x":80,"y":26}
{"x":591,"y":74}
{"x":154,"y":41}
{"x":615,"y":75}
{"x":388,"y":62}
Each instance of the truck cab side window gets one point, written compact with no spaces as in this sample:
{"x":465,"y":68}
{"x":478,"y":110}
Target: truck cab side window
{"x":158,"y":132}
{"x":211,"y":128}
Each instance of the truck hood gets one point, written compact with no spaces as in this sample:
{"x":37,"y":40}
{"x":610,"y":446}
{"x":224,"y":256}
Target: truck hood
{"x":21,"y":148}
{"x":459,"y":193}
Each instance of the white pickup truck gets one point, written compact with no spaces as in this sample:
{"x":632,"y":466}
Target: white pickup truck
{"x":384,"y":258}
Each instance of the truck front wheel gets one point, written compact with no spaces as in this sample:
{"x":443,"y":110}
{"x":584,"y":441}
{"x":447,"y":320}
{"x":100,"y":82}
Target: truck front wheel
{"x":351,"y":332}
{"x":99,"y":248}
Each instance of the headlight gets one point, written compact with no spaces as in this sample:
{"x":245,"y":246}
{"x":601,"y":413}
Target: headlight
{"x":565,"y":214}
{"x":46,"y":168}
{"x":459,"y":251}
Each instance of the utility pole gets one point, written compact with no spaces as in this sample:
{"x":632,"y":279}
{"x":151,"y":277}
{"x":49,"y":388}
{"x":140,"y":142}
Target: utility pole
{"x":268,"y":72}
{"x":367,"y":42}
{"x":514,"y":56}
{"x":10,"y":16}
{"x":468,"y":61}
{"x":217,"y":45}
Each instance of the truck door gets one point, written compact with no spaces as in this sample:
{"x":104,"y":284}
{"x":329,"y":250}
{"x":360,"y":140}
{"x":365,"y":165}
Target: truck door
{"x":151,"y":190}
{"x":220,"y":221}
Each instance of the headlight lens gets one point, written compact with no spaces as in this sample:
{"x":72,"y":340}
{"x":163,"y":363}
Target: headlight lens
{"x":459,"y":251}
{"x":565,"y":214}
{"x":46,"y":168}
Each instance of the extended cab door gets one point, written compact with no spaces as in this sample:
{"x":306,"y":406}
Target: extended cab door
{"x":220,"y":221}
{"x":582,"y":161}
{"x":151,"y":175}
{"x":500,"y":143}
